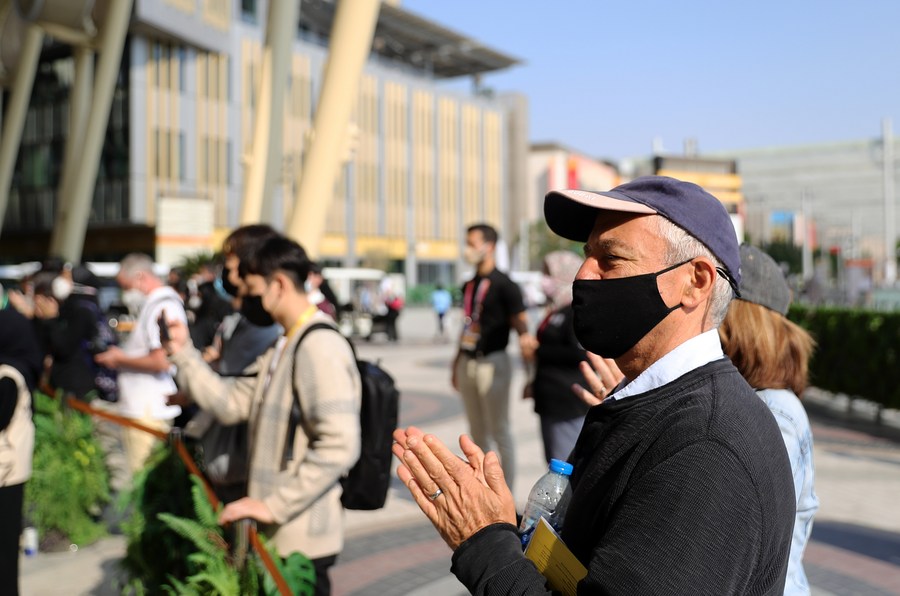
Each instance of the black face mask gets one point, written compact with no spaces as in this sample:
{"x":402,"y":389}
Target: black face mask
{"x":612,"y":315}
{"x":227,"y":286}
{"x":253,"y":311}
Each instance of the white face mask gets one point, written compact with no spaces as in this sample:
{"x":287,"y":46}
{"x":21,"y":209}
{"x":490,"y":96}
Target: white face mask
{"x":133,"y":299}
{"x":61,"y":288}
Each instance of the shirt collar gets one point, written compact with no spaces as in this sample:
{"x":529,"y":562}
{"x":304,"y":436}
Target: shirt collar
{"x":692,"y":354}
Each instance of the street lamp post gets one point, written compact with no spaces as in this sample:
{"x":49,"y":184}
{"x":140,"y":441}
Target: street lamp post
{"x":890,"y":221}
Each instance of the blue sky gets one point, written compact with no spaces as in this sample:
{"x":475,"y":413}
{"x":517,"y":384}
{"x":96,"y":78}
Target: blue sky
{"x":608,"y":77}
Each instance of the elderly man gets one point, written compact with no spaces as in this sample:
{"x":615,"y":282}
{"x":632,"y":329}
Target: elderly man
{"x":681,"y":483}
{"x":145,"y":376}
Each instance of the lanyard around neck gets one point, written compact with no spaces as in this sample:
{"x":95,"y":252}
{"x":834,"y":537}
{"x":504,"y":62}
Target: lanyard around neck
{"x":304,"y":317}
{"x":473,"y":301}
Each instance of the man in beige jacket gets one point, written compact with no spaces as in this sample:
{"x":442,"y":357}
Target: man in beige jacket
{"x":294,"y":489}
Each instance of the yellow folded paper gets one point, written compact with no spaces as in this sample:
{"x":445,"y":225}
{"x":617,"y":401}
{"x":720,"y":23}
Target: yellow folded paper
{"x":554,"y":559}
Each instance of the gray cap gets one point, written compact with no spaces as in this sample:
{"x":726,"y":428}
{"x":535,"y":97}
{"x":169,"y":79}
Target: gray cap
{"x":762,"y":280}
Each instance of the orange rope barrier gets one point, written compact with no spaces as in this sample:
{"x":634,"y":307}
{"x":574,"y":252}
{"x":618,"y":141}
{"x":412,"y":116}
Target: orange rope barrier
{"x":191,"y":465}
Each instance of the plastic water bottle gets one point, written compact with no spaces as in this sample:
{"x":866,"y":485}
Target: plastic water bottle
{"x":546,"y":499}
{"x":30,"y":541}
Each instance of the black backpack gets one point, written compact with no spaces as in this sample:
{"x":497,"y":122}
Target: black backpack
{"x":366,"y":485}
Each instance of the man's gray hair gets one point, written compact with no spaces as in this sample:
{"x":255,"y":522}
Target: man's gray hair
{"x":681,"y":246}
{"x":136,"y":263}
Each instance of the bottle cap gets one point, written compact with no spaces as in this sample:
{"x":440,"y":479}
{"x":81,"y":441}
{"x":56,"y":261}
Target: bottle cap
{"x":561,"y":467}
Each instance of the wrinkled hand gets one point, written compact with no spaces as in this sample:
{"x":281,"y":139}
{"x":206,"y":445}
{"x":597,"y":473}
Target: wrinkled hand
{"x":601,"y":375}
{"x":111,"y":358}
{"x":246,"y":508}
{"x":474,"y":492}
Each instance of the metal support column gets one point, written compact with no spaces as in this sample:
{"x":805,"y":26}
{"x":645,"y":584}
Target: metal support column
{"x":73,"y":221}
{"x":79,"y":109}
{"x":268,"y":122}
{"x":14,"y":119}
{"x":351,"y":39}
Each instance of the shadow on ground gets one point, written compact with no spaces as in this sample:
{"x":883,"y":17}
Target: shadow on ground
{"x":876,"y":544}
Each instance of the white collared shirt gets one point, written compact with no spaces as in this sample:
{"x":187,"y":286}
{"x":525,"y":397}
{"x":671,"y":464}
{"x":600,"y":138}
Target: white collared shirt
{"x":692,"y":354}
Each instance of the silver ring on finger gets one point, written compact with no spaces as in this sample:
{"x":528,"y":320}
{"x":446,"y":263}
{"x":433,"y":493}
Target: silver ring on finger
{"x":435,"y":494}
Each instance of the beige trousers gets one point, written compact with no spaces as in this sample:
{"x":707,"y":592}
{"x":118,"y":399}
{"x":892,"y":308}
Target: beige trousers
{"x":138,"y":444}
{"x":484,"y":386}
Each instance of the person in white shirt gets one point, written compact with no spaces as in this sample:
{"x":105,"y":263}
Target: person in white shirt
{"x":145,"y":375}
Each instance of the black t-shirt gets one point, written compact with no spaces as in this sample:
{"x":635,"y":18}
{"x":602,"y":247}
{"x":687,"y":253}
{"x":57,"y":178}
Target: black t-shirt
{"x":501,"y":302}
{"x":557,"y":359}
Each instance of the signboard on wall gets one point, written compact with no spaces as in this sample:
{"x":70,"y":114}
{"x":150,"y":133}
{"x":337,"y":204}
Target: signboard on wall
{"x":184,"y":227}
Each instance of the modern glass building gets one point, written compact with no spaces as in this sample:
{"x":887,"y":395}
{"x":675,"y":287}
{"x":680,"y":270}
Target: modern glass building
{"x":425,"y":159}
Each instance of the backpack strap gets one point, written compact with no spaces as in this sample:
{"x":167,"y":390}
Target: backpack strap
{"x":296,"y":413}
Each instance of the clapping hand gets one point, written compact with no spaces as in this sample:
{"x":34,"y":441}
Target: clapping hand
{"x":459,"y":496}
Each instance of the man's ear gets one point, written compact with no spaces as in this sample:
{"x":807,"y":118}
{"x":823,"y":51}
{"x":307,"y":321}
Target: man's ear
{"x":703,"y":278}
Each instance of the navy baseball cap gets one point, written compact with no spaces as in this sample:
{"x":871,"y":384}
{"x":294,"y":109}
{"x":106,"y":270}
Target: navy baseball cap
{"x":571,"y":214}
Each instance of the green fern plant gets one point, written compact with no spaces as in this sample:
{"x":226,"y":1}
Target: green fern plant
{"x":155,"y":552}
{"x":69,"y":484}
{"x":216,"y":570}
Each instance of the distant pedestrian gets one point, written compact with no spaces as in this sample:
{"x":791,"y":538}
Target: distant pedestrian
{"x":145,"y":378}
{"x":441,"y":301}
{"x":66,"y":320}
{"x":557,"y":360}
{"x":481,"y":372}
{"x":320,"y":293}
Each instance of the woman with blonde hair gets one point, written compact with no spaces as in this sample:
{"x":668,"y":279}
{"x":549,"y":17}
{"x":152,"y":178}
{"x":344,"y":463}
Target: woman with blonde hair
{"x":773,"y":354}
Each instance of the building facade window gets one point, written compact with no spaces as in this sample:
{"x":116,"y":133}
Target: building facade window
{"x":38,"y":171}
{"x":248,"y":10}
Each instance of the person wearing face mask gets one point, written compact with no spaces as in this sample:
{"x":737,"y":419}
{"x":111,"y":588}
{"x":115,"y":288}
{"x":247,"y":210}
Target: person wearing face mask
{"x":67,"y":325}
{"x":295,"y":469}
{"x":681,"y":483}
{"x":209,"y":309}
{"x":250,"y":330}
{"x":482,"y":372}
{"x":320,"y":292}
{"x":557,"y":359}
{"x":145,"y":377}
{"x":20,"y":369}
{"x":239,"y":340}
{"x":773,"y":354}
